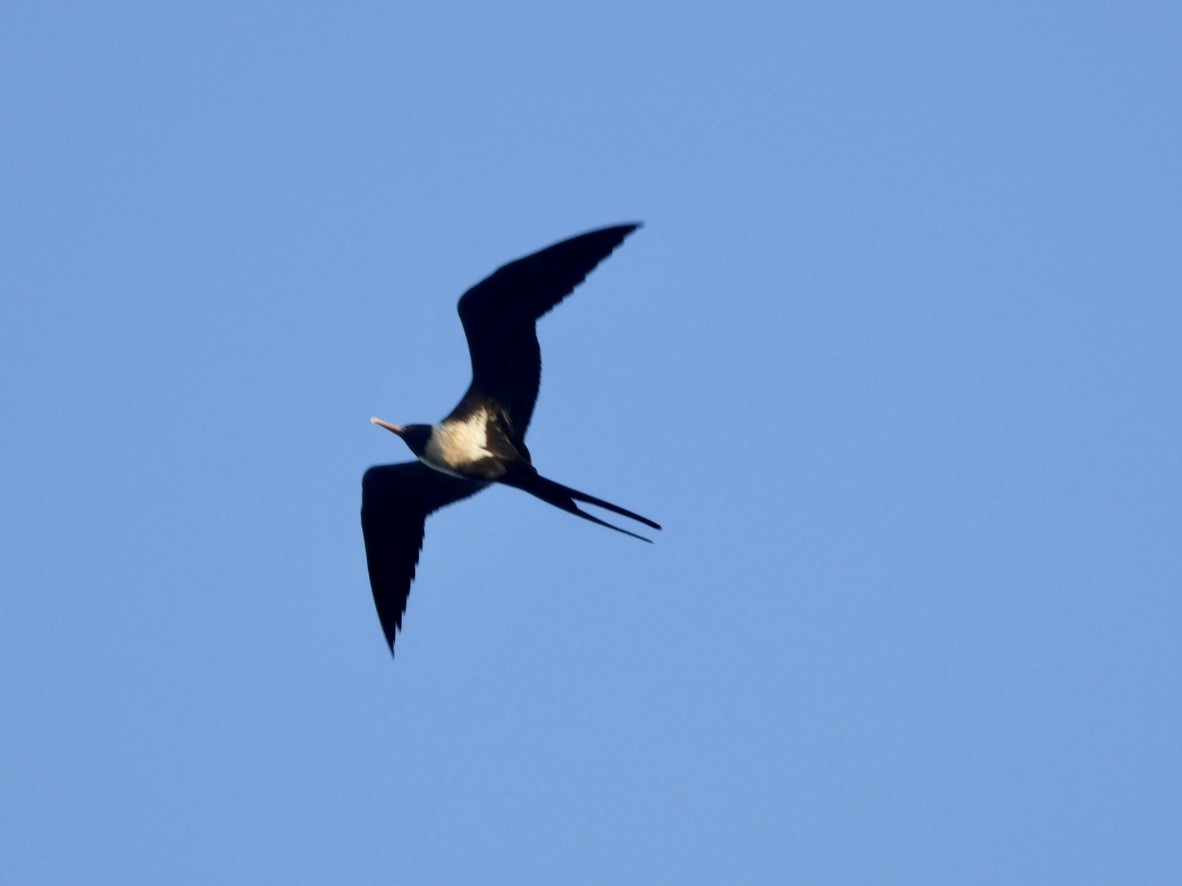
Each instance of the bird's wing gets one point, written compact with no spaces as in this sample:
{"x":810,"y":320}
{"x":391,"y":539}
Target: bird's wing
{"x":395,"y":502}
{"x":499,"y":313}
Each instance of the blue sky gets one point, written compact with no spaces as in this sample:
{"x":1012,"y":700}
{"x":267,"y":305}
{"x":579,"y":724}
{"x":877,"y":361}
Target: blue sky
{"x":895,"y":360}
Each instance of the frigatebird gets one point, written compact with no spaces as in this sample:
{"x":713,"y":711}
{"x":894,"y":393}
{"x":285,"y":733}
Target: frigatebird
{"x":482,"y":440}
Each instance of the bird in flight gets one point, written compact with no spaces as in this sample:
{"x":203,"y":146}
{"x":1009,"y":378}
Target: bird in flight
{"x":482,"y":440}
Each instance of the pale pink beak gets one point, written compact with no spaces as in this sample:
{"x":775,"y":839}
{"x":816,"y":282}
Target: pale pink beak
{"x":394,"y":429}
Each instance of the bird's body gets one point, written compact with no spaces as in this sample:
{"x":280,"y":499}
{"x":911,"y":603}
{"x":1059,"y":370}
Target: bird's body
{"x":482,"y":440}
{"x":460,"y":446}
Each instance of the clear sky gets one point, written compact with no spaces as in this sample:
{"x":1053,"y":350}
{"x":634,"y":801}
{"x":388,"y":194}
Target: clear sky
{"x":896,"y":360}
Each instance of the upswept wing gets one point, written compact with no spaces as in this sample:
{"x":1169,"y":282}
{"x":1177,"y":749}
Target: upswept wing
{"x":499,"y":314}
{"x":395,"y":503}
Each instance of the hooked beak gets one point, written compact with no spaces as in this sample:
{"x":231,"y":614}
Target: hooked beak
{"x":394,"y":429}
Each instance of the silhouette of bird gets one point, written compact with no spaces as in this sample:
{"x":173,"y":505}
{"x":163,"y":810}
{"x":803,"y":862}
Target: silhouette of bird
{"x":482,"y":440}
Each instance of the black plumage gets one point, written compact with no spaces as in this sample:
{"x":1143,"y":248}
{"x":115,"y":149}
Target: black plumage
{"x":482,"y":440}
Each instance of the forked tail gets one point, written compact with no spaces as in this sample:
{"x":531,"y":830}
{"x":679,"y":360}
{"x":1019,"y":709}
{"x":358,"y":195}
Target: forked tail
{"x":564,"y":497}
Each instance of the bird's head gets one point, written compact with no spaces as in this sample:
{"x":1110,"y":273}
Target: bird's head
{"x":415,"y":436}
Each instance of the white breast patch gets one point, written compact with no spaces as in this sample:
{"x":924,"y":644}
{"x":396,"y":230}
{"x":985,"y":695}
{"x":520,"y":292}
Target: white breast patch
{"x":456,"y":443}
